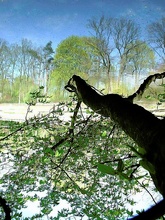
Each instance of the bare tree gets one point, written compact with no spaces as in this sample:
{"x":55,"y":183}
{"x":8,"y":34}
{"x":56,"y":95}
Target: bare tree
{"x":4,"y":65}
{"x":13,"y":57}
{"x":48,"y":64}
{"x":142,"y":58}
{"x":23,"y":65}
{"x":125,"y":34}
{"x":156,"y":32}
{"x":112,"y":37}
{"x":102,"y":42}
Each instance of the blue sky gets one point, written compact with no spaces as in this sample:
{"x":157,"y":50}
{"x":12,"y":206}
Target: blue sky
{"x":43,"y":20}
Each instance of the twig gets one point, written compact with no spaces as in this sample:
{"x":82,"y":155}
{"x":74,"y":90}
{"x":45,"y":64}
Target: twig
{"x":142,"y":185}
{"x":19,"y":129}
{"x":71,"y":130}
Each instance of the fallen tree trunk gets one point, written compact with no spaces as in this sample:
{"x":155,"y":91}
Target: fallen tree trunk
{"x":141,"y":125}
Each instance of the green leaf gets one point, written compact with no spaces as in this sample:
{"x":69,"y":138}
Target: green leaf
{"x":120,"y":166}
{"x":106,"y":169}
{"x":147,"y":165}
{"x":104,"y":134}
{"x":42,"y":182}
{"x":141,"y":151}
{"x":124,"y":176}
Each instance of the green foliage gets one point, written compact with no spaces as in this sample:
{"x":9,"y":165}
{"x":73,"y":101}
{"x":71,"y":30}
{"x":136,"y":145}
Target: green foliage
{"x":161,"y":96}
{"x":147,"y":165}
{"x":83,"y":159}
{"x":37,"y":96}
{"x":106,"y":169}
{"x":5,"y":91}
{"x":25,"y":86}
{"x":156,"y":93}
{"x":23,"y":67}
{"x":141,"y":57}
{"x":73,"y":55}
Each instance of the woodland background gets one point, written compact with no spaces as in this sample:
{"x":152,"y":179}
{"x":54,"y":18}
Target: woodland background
{"x":49,"y":158}
{"x":115,"y":57}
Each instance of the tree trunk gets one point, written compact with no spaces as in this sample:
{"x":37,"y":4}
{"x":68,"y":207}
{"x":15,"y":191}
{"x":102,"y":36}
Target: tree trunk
{"x":141,"y":125}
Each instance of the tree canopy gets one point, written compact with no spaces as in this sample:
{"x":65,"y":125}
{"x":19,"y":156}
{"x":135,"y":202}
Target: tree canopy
{"x":108,"y":54}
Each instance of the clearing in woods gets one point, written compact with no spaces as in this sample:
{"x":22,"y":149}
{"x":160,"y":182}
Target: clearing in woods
{"x":18,"y":112}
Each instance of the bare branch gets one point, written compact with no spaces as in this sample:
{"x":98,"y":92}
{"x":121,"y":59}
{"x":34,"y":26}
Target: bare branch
{"x":138,"y":94}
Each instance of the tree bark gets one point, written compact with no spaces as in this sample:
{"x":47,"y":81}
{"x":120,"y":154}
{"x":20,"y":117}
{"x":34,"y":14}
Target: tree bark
{"x":141,"y":125}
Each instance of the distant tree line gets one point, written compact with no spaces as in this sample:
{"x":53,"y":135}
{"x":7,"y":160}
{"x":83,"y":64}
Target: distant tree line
{"x":115,"y":48}
{"x":23,"y":68}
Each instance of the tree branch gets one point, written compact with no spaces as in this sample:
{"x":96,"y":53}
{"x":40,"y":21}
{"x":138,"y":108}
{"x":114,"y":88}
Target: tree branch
{"x":138,"y":94}
{"x":138,"y":123}
{"x":133,"y":119}
{"x":6,"y":208}
{"x":153,"y":213}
